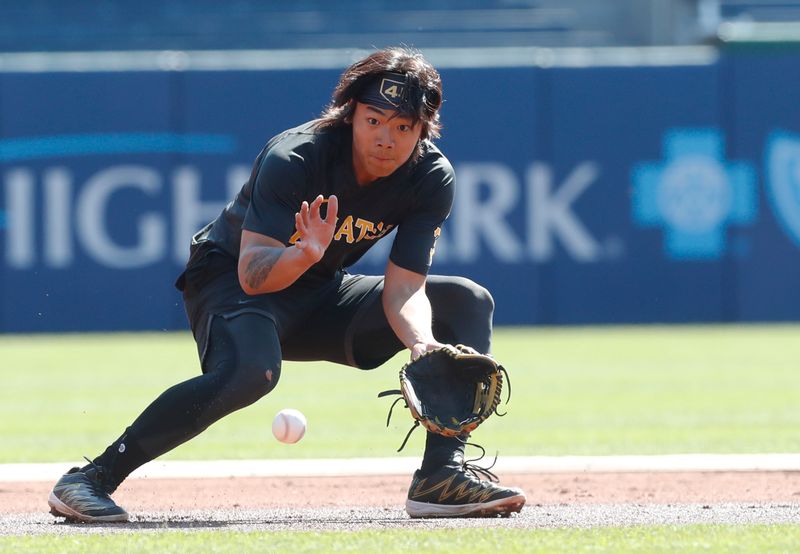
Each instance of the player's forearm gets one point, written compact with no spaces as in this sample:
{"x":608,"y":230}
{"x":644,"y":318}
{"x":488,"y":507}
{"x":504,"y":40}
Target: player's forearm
{"x":266,"y":269}
{"x":410,"y":317}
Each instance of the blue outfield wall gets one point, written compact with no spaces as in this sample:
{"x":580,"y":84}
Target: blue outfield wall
{"x":591,"y":195}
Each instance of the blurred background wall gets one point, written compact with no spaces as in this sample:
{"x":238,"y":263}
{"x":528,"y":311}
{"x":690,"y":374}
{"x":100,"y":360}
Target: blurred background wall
{"x":625,"y":161}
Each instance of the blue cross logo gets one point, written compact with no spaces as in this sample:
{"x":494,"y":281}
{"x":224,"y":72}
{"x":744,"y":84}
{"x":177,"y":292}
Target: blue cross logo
{"x":694,"y":194}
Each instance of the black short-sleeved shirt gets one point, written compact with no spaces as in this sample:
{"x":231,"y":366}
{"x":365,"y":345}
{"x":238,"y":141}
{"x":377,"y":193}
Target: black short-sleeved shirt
{"x":307,"y":161}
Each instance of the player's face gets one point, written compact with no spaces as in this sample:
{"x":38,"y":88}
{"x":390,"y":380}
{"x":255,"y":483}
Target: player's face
{"x":382,"y":142}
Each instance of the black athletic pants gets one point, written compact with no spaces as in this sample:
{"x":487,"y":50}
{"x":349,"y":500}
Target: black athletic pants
{"x":243,"y":339}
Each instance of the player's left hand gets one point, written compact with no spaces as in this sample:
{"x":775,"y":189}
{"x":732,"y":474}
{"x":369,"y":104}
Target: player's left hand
{"x":451,"y":390}
{"x":421,"y":348}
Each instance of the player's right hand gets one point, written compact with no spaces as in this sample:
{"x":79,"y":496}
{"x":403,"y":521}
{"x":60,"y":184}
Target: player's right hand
{"x":315,"y":231}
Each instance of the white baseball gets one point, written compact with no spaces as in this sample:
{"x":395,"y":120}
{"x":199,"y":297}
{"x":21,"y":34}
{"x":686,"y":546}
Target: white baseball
{"x":289,"y":425}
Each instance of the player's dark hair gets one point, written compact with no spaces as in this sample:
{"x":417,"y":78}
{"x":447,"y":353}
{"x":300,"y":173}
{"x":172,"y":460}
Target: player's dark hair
{"x":425,"y":85}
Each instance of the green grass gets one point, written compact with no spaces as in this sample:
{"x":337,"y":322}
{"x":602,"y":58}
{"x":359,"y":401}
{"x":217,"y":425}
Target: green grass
{"x":656,"y":539}
{"x":614,"y":390}
{"x":601,"y":390}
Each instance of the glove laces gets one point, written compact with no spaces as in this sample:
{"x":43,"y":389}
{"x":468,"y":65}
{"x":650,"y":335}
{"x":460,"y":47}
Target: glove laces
{"x":504,"y":372}
{"x":391,"y":408}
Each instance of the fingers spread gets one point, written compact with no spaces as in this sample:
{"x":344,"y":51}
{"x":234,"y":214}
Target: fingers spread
{"x":333,"y":209}
{"x":298,"y":223}
{"x":304,"y":213}
{"x":315,"y":206}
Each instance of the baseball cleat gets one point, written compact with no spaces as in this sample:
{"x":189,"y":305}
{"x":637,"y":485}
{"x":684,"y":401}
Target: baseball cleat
{"x":460,"y":492}
{"x":81,"y":495}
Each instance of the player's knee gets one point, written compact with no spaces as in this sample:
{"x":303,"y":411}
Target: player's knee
{"x":271,"y":376}
{"x":264,"y":380}
{"x":471,"y":297}
{"x":255,"y":382}
{"x":483,"y":299}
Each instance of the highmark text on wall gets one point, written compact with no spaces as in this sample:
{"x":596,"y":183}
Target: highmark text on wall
{"x":646,"y":210}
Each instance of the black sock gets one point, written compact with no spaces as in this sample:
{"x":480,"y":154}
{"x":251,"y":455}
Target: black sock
{"x":120,"y":459}
{"x":442,"y":451}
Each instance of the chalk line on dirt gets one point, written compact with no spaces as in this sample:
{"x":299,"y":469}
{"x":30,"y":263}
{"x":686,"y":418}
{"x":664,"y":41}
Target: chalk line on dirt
{"x":16,"y":472}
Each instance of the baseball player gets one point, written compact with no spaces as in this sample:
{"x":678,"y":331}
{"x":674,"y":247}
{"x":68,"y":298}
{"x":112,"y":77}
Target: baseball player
{"x":266,"y":281}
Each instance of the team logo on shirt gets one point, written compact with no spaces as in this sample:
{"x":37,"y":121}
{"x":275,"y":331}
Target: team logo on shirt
{"x":354,"y":230}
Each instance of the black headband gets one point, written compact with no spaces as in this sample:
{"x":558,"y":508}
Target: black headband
{"x":389,"y":91}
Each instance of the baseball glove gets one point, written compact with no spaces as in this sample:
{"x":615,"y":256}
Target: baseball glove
{"x":450,"y":390}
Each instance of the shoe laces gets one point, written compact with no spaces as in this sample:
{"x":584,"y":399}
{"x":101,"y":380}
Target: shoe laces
{"x":479,"y":472}
{"x":98,"y":482}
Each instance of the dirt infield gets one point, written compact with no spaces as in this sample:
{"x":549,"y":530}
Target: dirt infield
{"x":590,"y":498}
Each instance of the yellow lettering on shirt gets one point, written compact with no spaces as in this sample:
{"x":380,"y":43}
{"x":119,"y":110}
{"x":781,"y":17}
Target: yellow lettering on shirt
{"x":346,"y":230}
{"x":367,"y":230}
{"x":364,"y":227}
